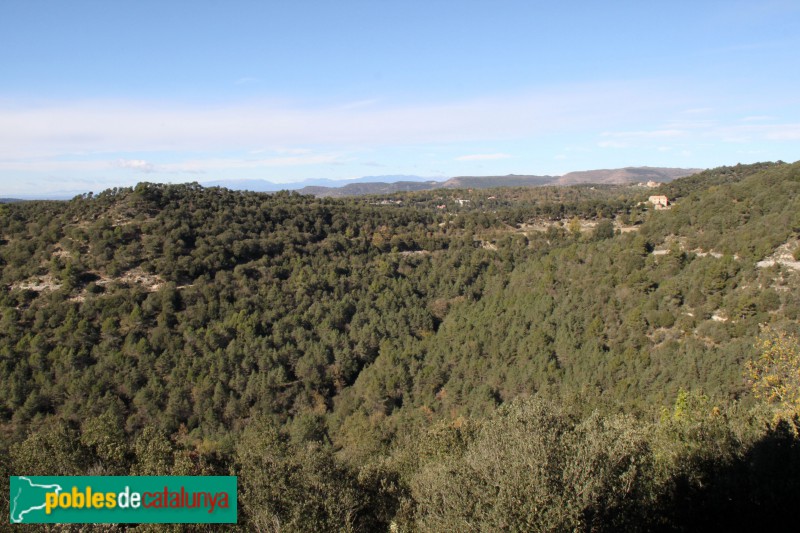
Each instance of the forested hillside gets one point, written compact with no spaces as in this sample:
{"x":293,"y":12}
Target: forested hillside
{"x":555,"y":358}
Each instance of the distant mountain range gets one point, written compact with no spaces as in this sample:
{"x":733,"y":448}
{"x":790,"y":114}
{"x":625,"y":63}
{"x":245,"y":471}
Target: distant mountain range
{"x":269,"y":186}
{"x":403,"y":183}
{"x":619,"y":176}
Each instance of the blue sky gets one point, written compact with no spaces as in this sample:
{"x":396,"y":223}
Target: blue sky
{"x":102,"y":94}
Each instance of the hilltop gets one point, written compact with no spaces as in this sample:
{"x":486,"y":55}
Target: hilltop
{"x":627,"y":175}
{"x":361,"y":189}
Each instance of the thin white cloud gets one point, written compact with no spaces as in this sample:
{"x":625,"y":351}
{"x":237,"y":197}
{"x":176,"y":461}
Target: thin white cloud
{"x":136,"y":164}
{"x":281,"y":150}
{"x":768,"y":132}
{"x":651,"y":134}
{"x":190,"y":166}
{"x":684,"y":126}
{"x":758,"y":118}
{"x":55,"y":165}
{"x":69,"y":139}
{"x":359,"y":104}
{"x":612,"y":144}
{"x":131,"y":127}
{"x":746,"y":47}
{"x":786,"y":132}
{"x":698,"y":111}
{"x":482,"y":157}
{"x":744,"y":130}
{"x":216,"y":164}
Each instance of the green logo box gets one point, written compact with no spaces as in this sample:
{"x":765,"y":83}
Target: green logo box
{"x":123,"y":499}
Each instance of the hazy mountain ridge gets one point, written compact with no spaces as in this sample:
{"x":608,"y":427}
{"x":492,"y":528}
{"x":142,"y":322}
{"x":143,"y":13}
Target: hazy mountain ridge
{"x":389,"y":184}
{"x":259,"y":185}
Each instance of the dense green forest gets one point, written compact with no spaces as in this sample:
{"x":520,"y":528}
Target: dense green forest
{"x":549,"y":359}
